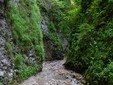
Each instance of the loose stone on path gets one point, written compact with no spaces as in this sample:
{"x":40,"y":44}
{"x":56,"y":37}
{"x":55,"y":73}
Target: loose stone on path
{"x":54,"y":73}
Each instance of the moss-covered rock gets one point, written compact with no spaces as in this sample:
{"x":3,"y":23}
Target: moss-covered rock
{"x":25,"y":20}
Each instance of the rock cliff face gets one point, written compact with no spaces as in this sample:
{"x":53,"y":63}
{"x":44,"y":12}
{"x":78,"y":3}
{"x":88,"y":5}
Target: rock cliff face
{"x":6,"y":64}
{"x":22,"y":56}
{"x":21,"y":40}
{"x":53,"y":42}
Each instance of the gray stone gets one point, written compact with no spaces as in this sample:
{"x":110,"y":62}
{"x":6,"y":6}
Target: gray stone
{"x":2,"y":41}
{"x":5,"y":36}
{"x":10,"y":75}
{"x":1,"y":1}
{"x":44,"y":26}
{"x":4,"y":61}
{"x":1,"y":73}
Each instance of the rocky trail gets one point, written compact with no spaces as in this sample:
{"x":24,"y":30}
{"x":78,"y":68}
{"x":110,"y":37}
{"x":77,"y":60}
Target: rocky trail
{"x":54,"y":73}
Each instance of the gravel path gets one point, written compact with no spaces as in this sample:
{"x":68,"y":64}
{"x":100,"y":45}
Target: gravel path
{"x":53,"y":73}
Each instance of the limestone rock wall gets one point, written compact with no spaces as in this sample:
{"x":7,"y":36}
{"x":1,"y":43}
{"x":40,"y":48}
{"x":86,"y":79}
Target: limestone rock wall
{"x":6,"y":65}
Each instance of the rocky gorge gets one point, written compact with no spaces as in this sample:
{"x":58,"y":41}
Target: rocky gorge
{"x":9,"y":49}
{"x":11,"y":52}
{"x":53,"y":42}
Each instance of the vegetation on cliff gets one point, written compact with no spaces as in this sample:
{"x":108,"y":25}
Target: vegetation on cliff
{"x":86,"y":24}
{"x":25,"y":20}
{"x":90,"y":41}
{"x":52,"y":40}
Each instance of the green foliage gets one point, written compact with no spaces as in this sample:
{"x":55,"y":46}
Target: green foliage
{"x":51,"y":27}
{"x":24,"y":71}
{"x":52,"y":35}
{"x":19,"y":60}
{"x":54,"y":42}
{"x":9,"y":50}
{"x":87,"y":25}
{"x":15,"y":37}
{"x":25,"y":21}
{"x":39,"y":52}
{"x":78,"y":2}
{"x":90,"y":40}
{"x":0,"y":83}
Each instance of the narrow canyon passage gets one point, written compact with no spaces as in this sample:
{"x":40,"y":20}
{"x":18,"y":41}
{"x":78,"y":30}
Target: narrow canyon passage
{"x":54,"y":73}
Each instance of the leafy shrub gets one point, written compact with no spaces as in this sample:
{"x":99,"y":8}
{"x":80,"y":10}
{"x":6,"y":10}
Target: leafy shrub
{"x":24,"y":73}
{"x":91,"y":46}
